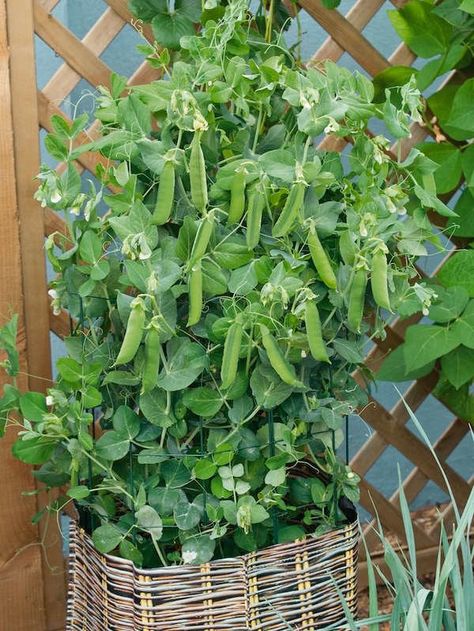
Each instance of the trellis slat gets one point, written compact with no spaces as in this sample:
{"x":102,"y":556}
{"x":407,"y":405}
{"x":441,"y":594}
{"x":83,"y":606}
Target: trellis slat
{"x":70,"y":48}
{"x":344,"y":33}
{"x":359,"y":16}
{"x":97,"y":39}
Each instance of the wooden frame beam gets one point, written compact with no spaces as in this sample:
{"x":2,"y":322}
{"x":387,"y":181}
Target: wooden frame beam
{"x":32,"y":595}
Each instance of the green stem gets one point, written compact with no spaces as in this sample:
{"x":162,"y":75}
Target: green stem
{"x":159,"y":552}
{"x":269,"y":22}
{"x":257,"y":128}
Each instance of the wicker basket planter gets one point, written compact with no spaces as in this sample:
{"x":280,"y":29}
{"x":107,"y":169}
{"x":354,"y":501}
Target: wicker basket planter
{"x":283,"y":587}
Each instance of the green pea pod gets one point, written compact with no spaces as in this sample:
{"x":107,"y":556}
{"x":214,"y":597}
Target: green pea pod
{"x":237,"y":197}
{"x":290,"y":210}
{"x":314,"y":332}
{"x":278,"y":361}
{"x":320,"y":260}
{"x":254,"y":217}
{"x":347,"y":248}
{"x":195,"y":294}
{"x":378,"y":280}
{"x":230,"y":358}
{"x":152,"y":359}
{"x":165,"y":197}
{"x":133,"y":333}
{"x":197,"y":174}
{"x":357,"y":300}
{"x":201,"y":240}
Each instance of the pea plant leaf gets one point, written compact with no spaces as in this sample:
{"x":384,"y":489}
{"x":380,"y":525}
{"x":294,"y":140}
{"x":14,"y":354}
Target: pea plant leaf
{"x":459,"y":271}
{"x":464,"y":326}
{"x":8,"y":335}
{"x":458,"y":366}
{"x":462,"y":110}
{"x":468,"y":165}
{"x":147,"y":9}
{"x":450,"y":303}
{"x":441,"y":104}
{"x":424,"y":343}
{"x":149,"y":520}
{"x":425,"y":33}
{"x":175,"y":474}
{"x":243,"y":279}
{"x":126,"y":422}
{"x":198,"y":549}
{"x":280,"y":164}
{"x":203,"y":401}
{"x":112,"y":446}
{"x":394,"y":368}
{"x":154,"y":407}
{"x":186,"y":515}
{"x":463,"y":224}
{"x":460,"y":401}
{"x":34,"y":450}
{"x":185,"y":362}
{"x":130,"y":551}
{"x":449,"y":172}
{"x":204,"y":469}
{"x":169,"y":29}
{"x":106,"y":538}
{"x":33,"y":406}
{"x":429,"y":200}
{"x":268,"y":390}
{"x":467,"y":6}
{"x":164,"y":499}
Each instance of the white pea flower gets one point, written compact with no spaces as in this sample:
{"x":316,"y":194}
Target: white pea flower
{"x":244,"y":517}
{"x":189,"y":556}
{"x":56,"y":196}
{"x":55,"y":302}
{"x":152,"y":283}
{"x":49,"y":400}
{"x":331,"y":126}
{"x":390,"y":205}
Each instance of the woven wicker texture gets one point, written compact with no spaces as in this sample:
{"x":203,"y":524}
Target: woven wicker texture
{"x":286,"y":586}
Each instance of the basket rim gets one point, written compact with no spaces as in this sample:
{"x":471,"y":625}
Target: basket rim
{"x":351,"y":527}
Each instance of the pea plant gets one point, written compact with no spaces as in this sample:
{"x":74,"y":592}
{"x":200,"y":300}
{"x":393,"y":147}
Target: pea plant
{"x":222,"y":275}
{"x":441,"y":34}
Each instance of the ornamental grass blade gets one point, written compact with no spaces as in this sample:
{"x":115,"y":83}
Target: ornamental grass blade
{"x":372,"y":585}
{"x":414,"y":620}
{"x":353,"y":626}
{"x":451,"y":558}
{"x":408,"y":527}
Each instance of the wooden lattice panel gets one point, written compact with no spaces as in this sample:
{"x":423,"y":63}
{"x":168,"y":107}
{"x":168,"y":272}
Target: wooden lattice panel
{"x":82,"y":60}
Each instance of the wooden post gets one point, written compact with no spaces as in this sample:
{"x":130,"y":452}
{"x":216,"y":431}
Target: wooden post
{"x":31,"y":595}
